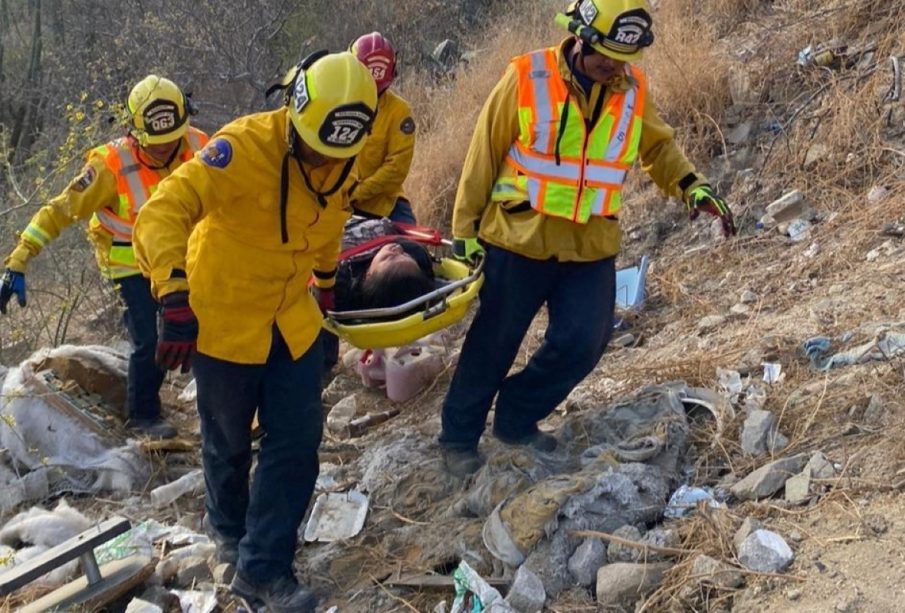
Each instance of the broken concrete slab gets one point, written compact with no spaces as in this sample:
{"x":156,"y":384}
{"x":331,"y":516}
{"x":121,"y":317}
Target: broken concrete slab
{"x":527,"y":594}
{"x":787,"y":208}
{"x":587,"y":560}
{"x":748,"y":526}
{"x":760,"y":434}
{"x":766,"y":480}
{"x":622,"y":584}
{"x":192,"y":570}
{"x":765,"y":552}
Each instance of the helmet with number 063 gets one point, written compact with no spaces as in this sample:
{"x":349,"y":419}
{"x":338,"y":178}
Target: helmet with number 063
{"x":377,"y":53}
{"x":158,"y":111}
{"x":332,"y":105}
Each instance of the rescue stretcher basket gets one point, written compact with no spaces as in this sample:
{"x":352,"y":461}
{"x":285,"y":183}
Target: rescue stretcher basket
{"x":401,"y":325}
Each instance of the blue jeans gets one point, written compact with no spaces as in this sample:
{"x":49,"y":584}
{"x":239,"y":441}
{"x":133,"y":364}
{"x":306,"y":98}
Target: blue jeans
{"x":580,"y":298}
{"x":264,"y":518}
{"x":145,"y":377}
{"x":402,"y":212}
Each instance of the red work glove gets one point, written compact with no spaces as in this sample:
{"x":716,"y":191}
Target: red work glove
{"x":702,"y":198}
{"x":326,"y":298}
{"x":177,"y":332}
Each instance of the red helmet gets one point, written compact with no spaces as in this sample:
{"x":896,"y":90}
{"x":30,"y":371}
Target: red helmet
{"x":375,"y":51}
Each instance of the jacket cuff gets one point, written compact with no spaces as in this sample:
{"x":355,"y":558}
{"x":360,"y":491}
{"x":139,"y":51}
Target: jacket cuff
{"x":18,"y":260}
{"x":689,"y":183}
{"x":324,"y":280}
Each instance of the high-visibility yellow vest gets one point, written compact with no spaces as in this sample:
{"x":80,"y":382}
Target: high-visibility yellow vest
{"x":135,"y":183}
{"x":557,"y":164}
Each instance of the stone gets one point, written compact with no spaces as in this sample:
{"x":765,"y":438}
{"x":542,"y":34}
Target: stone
{"x":162,"y":597}
{"x":765,"y":552}
{"x":351,"y":357}
{"x":527,"y":594}
{"x":793,"y":595}
{"x":342,"y":414}
{"x":787,"y":208}
{"x":625,"y":340}
{"x":711,"y":322}
{"x":760,"y":434}
{"x":587,"y":560}
{"x":877,"y":193}
{"x":192,"y":570}
{"x":137,"y":605}
{"x":873,"y":414}
{"x":798,"y":488}
{"x":661,"y":537}
{"x":740,"y":309}
{"x":622,"y":584}
{"x":816,"y":153}
{"x":340,"y":387}
{"x":617,"y":552}
{"x":224,"y":573}
{"x":715,"y":573}
{"x":766,"y":480}
{"x":740,"y":134}
{"x":820,"y":467}
{"x":748,"y":297}
{"x":748,"y":526}
{"x":166,"y":570}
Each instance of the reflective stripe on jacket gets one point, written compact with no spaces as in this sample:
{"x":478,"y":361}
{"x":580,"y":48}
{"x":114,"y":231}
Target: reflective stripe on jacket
{"x":557,"y":164}
{"x":135,"y":183}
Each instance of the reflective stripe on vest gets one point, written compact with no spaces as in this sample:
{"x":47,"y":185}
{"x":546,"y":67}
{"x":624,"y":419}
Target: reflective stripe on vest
{"x":562,"y":170}
{"x":135,"y":183}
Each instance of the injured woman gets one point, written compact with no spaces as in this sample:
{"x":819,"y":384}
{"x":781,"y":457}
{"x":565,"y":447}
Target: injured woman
{"x":388,"y":275}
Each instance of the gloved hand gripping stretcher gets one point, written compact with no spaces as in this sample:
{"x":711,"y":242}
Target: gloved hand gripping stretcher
{"x":457,"y":285}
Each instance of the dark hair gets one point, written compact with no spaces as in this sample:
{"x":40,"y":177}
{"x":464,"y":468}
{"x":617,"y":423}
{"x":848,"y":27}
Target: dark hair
{"x":394,"y":286}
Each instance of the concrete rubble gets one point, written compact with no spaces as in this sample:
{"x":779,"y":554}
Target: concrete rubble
{"x":526,"y":594}
{"x":623,"y":584}
{"x":768,"y":479}
{"x":761,"y":435}
{"x":587,"y":560}
{"x":766,"y":552}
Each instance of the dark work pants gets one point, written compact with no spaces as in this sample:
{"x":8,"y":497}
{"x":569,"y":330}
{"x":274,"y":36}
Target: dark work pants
{"x":145,"y":377}
{"x":580,"y":298}
{"x":264,"y":518}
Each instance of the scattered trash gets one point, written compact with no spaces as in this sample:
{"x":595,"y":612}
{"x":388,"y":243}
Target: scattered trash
{"x":773,"y":372}
{"x":190,"y":483}
{"x":685,"y":500}
{"x":410,"y":369}
{"x":360,"y":425}
{"x":197,"y":601}
{"x":764,"y":551}
{"x":336,"y":516}
{"x":816,"y":56}
{"x":189,"y":393}
{"x":474,"y":595}
{"x":799,"y":230}
{"x":887,"y":344}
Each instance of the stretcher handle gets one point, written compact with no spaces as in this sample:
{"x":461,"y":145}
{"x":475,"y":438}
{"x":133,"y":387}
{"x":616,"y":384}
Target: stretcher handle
{"x":411,"y":304}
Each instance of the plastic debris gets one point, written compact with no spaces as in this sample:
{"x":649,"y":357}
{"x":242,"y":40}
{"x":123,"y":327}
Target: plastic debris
{"x":337,"y":516}
{"x":773,"y":372}
{"x":685,"y":499}
{"x":474,"y":595}
{"x":799,"y":230}
{"x":190,"y":483}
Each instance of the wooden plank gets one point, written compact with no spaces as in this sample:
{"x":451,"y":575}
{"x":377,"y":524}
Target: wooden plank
{"x":437,"y":581}
{"x":24,"y":574}
{"x":119,"y":578}
{"x":61,"y":402}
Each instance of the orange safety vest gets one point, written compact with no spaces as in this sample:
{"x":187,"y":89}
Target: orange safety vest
{"x":557,"y":164}
{"x":135,"y":183}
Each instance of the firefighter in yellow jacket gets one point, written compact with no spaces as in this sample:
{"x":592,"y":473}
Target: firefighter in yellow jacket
{"x":117,"y":179}
{"x":539,"y":198}
{"x":385,"y":161}
{"x":264,"y":205}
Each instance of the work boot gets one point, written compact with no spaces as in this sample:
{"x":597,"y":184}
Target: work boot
{"x":283,"y":595}
{"x":153,"y":427}
{"x":461,"y":462}
{"x":541,"y":441}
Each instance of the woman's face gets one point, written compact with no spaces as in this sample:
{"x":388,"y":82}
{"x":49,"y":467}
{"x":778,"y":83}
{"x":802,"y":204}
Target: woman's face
{"x":391,"y":255}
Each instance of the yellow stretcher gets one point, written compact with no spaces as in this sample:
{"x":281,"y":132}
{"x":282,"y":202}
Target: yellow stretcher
{"x":406,"y":323}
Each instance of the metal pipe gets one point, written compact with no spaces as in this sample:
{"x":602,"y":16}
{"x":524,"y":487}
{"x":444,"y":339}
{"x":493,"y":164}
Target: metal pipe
{"x":89,"y":567}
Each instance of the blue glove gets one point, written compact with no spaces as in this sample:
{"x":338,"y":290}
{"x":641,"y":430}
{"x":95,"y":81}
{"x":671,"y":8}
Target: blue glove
{"x":11,"y":283}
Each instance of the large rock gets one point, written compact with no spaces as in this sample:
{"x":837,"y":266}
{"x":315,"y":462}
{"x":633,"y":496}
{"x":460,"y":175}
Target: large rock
{"x":766,"y":480}
{"x":587,"y":560}
{"x":623,"y":584}
{"x":760,"y":434}
{"x":765,"y":552}
{"x":526,"y":595}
